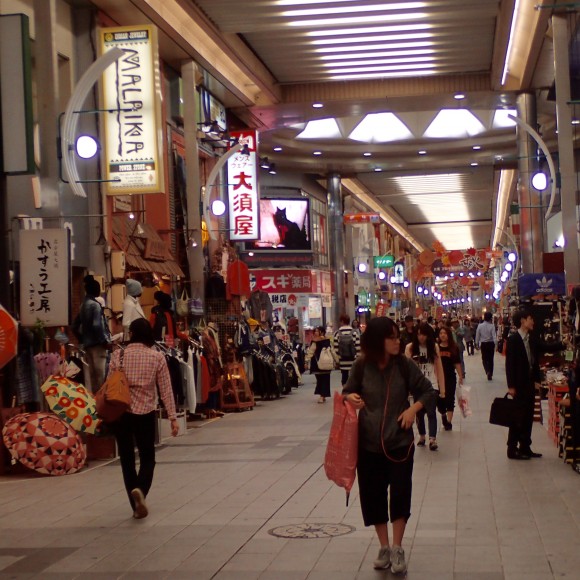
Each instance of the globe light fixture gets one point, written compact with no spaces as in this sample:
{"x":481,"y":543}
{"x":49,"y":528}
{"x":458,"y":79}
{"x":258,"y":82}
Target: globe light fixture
{"x":508,"y":267}
{"x":539,"y":181}
{"x":512,"y":257}
{"x":381,"y":275}
{"x":218,"y":207}
{"x":426,"y":292}
{"x":393,"y":279}
{"x":406,"y":284}
{"x":86,"y":147}
{"x":419,"y":289}
{"x":362,"y":267}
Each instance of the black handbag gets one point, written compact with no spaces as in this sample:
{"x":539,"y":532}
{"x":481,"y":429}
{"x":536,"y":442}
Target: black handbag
{"x":506,"y":412}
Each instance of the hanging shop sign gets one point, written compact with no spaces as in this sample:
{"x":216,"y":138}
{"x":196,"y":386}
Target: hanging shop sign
{"x":383,"y":261}
{"x":45,"y":277}
{"x":326,"y":300}
{"x":279,"y":281}
{"x":533,"y":284}
{"x":362,"y":218}
{"x":130,"y":89}
{"x":399,"y":273}
{"x":382,"y":308}
{"x":243,"y":194}
{"x":314,"y":307}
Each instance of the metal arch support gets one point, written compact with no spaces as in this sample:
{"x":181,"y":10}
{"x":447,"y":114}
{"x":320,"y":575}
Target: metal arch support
{"x":209,"y":184}
{"x":542,"y":144}
{"x":70,"y":118}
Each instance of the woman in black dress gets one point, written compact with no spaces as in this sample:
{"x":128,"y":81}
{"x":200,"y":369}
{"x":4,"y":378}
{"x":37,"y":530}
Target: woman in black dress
{"x":319,"y":341}
{"x":449,"y":354}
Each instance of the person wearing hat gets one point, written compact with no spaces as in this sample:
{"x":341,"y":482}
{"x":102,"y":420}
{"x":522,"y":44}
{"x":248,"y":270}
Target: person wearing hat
{"x":131,"y":306}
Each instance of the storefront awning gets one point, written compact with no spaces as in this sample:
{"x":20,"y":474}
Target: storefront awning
{"x":144,"y":249}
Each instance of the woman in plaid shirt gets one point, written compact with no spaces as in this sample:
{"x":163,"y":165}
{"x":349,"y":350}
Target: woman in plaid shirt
{"x":145,"y":368}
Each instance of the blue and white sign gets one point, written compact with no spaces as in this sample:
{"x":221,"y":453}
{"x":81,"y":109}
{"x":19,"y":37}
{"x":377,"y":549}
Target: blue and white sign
{"x":532,"y":284}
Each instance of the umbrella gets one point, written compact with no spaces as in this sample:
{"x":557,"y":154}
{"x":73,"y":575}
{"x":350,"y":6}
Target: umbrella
{"x":45,"y":443}
{"x":8,"y":337}
{"x":73,"y":403}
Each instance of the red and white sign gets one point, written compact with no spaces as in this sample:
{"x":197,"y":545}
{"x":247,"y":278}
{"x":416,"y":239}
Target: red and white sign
{"x":362,"y":218}
{"x":381,"y":310}
{"x":243,"y":194}
{"x":283,"y":281}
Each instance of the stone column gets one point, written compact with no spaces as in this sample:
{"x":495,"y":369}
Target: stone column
{"x":531,"y":215}
{"x":566,"y":148}
{"x":193,"y":186}
{"x":336,"y":243}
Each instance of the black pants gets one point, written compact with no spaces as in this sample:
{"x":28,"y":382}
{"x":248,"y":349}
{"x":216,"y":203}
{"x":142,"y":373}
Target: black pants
{"x":487,"y":352}
{"x":385,"y":486}
{"x":344,"y":376}
{"x":470,"y":347}
{"x":521,"y":434}
{"x":322,"y":384}
{"x":131,"y":430}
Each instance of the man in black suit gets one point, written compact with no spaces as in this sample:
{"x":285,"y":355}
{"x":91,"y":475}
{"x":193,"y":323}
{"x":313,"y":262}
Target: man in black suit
{"x":522,"y":370}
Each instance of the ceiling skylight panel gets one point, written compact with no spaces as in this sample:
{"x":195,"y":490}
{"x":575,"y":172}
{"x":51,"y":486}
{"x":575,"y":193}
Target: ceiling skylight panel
{"x":309,"y":2}
{"x":454,"y":238}
{"x":385,"y":68}
{"x":380,"y":128}
{"x":434,"y":183}
{"x":454,"y":124}
{"x":357,"y":8}
{"x":382,"y":61}
{"x":359,"y":19}
{"x":360,"y":43}
{"x":394,"y":53}
{"x":501,"y":119}
{"x":379,"y":75}
{"x":369,"y":29}
{"x":321,"y":129}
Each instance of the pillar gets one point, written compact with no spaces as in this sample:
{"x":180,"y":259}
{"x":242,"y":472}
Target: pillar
{"x":566,"y":148}
{"x":193,"y":185}
{"x":336,"y":243}
{"x":531,"y":214}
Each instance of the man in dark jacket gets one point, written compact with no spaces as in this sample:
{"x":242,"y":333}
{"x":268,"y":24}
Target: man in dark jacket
{"x":523,"y":372}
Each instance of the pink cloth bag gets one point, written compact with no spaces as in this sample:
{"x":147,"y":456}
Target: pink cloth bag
{"x":342,"y":448}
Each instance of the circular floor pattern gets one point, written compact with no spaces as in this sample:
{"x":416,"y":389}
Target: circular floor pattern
{"x":311,"y":531}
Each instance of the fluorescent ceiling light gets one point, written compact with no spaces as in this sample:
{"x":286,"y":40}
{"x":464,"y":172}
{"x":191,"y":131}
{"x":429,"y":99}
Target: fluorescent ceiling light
{"x":370,"y":54}
{"x":380,"y":128}
{"x":321,"y":129}
{"x":432,"y":183}
{"x":382,"y":61}
{"x":359,"y":19}
{"x":508,"y":53}
{"x":362,"y":43}
{"x":368,"y":69}
{"x":378,"y":75}
{"x":454,"y":123}
{"x":354,"y":9}
{"x":501,"y":119}
{"x":308,"y":2}
{"x":369,"y":30}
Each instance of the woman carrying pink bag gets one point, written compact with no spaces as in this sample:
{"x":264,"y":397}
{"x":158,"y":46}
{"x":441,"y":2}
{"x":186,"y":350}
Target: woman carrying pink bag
{"x":379,"y":385}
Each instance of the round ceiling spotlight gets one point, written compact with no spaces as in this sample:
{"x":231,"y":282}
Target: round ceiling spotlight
{"x":277,"y":149}
{"x":367,"y":154}
{"x":86,"y":147}
{"x":459,"y":96}
{"x":422,"y":152}
{"x":317,"y":153}
{"x":317,"y":105}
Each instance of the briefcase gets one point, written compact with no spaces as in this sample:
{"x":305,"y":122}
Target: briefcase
{"x":506,"y":412}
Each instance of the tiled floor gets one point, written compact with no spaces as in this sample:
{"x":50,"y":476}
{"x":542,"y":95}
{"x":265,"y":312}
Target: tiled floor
{"x":221,"y":488}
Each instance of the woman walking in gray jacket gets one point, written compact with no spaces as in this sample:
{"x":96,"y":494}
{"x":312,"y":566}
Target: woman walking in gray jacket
{"x":379,"y":385}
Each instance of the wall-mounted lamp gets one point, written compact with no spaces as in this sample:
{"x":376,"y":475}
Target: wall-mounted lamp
{"x":86,"y":146}
{"x":218,"y":207}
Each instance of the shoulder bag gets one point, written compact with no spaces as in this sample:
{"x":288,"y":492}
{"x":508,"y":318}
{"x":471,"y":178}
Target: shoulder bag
{"x":114,"y":398}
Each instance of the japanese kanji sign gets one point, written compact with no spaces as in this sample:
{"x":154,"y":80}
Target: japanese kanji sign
{"x":243,"y":193}
{"x":45,"y":277}
{"x":284,"y":281}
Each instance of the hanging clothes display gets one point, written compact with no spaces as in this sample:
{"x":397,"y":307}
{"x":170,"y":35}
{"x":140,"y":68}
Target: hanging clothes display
{"x":261,"y":306}
{"x":238,"y":280}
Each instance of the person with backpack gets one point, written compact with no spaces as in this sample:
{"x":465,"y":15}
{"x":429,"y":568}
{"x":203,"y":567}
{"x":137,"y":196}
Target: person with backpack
{"x":92,"y":331}
{"x":321,"y":362}
{"x":379,"y":385}
{"x":346,"y":346}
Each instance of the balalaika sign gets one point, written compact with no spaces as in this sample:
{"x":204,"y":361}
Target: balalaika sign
{"x":132,"y":152}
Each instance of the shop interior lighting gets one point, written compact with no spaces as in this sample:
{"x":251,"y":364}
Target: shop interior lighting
{"x":380,"y":128}
{"x":218,"y":207}
{"x":342,"y":32}
{"x":272,"y":169}
{"x":264,"y":163}
{"x":321,"y":129}
{"x":363,"y":46}
{"x":459,"y":96}
{"x":426,"y":292}
{"x":278,"y":149}
{"x":419,"y":289}
{"x":382,"y":275}
{"x":559,"y":243}
{"x":384,"y":70}
{"x":367,"y":154}
{"x":422,"y":152}
{"x":362,"y":267}
{"x":508,"y":267}
{"x":511,"y":257}
{"x":378,"y":169}
{"x":474,"y":164}
{"x":317,"y":153}
{"x":317,"y":105}
{"x":476,"y":147}
{"x":379,"y":58}
{"x":131,"y":216}
{"x":406,"y":284}
{"x":250,"y":254}
{"x":86,"y":146}
{"x":393,"y":279}
{"x":350,"y":77}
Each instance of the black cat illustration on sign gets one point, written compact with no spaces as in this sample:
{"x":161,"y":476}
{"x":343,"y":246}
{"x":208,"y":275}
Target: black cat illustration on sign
{"x":291,"y":236}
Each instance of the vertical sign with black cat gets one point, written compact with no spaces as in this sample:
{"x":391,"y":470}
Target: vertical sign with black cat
{"x":243,"y":193}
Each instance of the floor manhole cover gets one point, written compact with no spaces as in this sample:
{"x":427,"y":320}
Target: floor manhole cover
{"x":310,"y":531}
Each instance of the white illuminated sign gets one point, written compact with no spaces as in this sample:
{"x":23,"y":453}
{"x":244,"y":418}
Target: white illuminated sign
{"x":130,"y":89}
{"x":243,"y":194}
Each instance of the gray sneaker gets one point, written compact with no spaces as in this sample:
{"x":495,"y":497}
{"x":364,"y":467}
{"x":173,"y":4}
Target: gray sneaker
{"x":398,"y":564}
{"x":383,"y":559}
